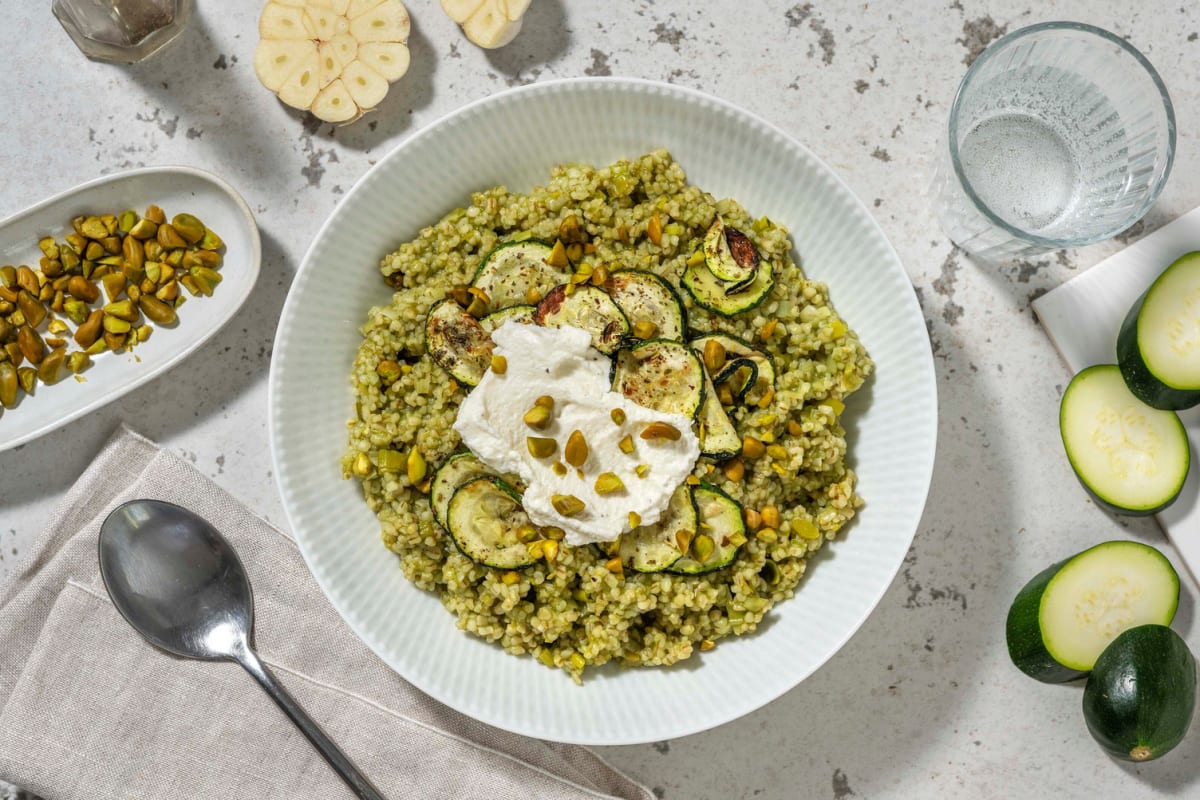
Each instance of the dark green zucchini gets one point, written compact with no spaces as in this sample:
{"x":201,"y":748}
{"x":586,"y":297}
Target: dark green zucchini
{"x":458,"y":469}
{"x":587,"y":308}
{"x":645,"y":297}
{"x":1139,"y":699}
{"x":730,"y":256}
{"x":662,"y":375}
{"x":484,"y":516}
{"x":718,"y":437}
{"x":741,"y":374}
{"x":1132,"y":458}
{"x":721,"y":523}
{"x":1158,"y":347}
{"x":1063,"y":619}
{"x":739,"y":348}
{"x":653,"y":548}
{"x":457,"y":342}
{"x":710,"y":292}
{"x":513,"y":268}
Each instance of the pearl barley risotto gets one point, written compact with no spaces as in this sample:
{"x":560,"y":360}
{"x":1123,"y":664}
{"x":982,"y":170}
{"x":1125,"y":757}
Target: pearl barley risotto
{"x":713,"y":341}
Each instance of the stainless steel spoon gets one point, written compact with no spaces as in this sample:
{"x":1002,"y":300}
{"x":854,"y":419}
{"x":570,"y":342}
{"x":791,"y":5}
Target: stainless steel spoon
{"x":181,"y":585}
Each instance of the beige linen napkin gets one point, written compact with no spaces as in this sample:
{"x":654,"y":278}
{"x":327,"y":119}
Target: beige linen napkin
{"x":88,"y":709}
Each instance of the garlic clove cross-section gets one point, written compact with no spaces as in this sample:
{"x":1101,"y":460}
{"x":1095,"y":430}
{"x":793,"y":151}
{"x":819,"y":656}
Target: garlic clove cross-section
{"x":488,"y":23}
{"x":334,"y":58}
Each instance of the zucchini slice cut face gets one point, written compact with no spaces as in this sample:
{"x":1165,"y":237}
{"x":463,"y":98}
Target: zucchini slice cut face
{"x":645,"y":297}
{"x":588,"y":308}
{"x":712,"y":293}
{"x":1062,"y":620}
{"x":720,"y":522}
{"x":1139,"y":699}
{"x":458,"y":469}
{"x":741,"y":374}
{"x":730,"y":255}
{"x":1131,"y":457}
{"x":1158,"y":347}
{"x":661,"y":375}
{"x":484,"y":515}
{"x":738,"y":348}
{"x":513,"y":268}
{"x":718,"y":437}
{"x":653,"y":548}
{"x":523,"y":314}
{"x":457,"y":342}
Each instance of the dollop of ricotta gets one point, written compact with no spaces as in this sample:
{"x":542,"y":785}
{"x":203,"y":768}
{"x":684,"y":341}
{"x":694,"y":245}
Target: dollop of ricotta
{"x":560,"y":363}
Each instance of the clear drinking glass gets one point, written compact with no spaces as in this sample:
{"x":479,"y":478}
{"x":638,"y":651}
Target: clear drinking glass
{"x":122,"y":31}
{"x":1061,"y":135}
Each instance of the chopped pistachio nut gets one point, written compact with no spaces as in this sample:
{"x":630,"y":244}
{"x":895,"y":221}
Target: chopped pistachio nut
{"x":541,"y":447}
{"x":609,"y":482}
{"x":550,"y":549}
{"x":554,"y":533}
{"x":752,"y":447}
{"x":537,"y":417}
{"x":659,"y":431}
{"x":734,"y":469}
{"x":499,"y":365}
{"x":805,"y":529}
{"x":559,"y":468}
{"x":416,"y":466}
{"x":509,"y":578}
{"x":576,"y":450}
{"x":618,"y":416}
{"x":683,"y":540}
{"x":702,"y":547}
{"x":567,"y":504}
{"x":645,"y":329}
{"x":770,"y":516}
{"x":614,"y":565}
{"x":635,"y":520}
{"x":714,"y":356}
{"x":768,"y":535}
{"x":706,"y":645}
{"x":642,"y":470}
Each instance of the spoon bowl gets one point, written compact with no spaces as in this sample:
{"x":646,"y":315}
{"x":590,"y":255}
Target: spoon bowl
{"x":176,"y":579}
{"x":180,"y":584}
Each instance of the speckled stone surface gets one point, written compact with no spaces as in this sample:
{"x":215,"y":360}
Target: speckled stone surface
{"x":923,"y":701}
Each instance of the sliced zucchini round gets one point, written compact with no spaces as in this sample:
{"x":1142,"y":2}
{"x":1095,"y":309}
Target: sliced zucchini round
{"x":523,"y":314}
{"x":739,"y":348}
{"x":646,"y":297}
{"x":588,"y":308}
{"x":710,"y":292}
{"x":718,"y":437}
{"x":730,"y":255}
{"x":1158,"y":347}
{"x":513,"y":268}
{"x":662,"y":375}
{"x":458,"y":469}
{"x":1068,"y":613}
{"x":741,"y":374}
{"x":653,"y":548}
{"x":457,"y":342}
{"x":484,"y":515}
{"x":1131,"y":457}
{"x":1140,"y":697}
{"x":720,"y":519}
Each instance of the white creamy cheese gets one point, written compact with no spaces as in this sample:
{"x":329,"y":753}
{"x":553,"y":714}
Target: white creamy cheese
{"x":559,"y":362}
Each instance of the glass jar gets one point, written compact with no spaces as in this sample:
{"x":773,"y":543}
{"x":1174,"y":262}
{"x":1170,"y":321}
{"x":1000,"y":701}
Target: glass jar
{"x":122,"y":31}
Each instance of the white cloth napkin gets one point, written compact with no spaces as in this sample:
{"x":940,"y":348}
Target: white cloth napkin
{"x":88,"y":709}
{"x":1082,"y":318}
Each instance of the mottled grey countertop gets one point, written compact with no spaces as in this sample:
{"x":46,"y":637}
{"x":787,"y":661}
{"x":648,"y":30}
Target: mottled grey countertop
{"x":923,"y":701}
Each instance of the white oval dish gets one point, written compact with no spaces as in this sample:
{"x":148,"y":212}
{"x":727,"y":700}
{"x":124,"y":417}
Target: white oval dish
{"x":176,"y":190}
{"x":514,"y":138}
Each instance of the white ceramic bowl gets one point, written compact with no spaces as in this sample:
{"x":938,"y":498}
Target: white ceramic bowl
{"x":176,"y":190}
{"x":514,"y":138}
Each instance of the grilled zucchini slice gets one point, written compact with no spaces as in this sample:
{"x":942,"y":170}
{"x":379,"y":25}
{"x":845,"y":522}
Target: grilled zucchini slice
{"x":662,"y":375}
{"x":645,"y":297}
{"x":457,"y":342}
{"x":718,"y":437}
{"x":730,"y":255}
{"x":458,"y":469}
{"x":522,"y":314}
{"x":712,"y":293}
{"x":588,"y":308}
{"x":720,"y":519}
{"x":653,"y":548}
{"x":739,"y":348}
{"x":484,"y":515}
{"x":513,"y":268}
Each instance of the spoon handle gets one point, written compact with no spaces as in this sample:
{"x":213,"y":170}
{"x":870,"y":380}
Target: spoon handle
{"x":332,"y":753}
